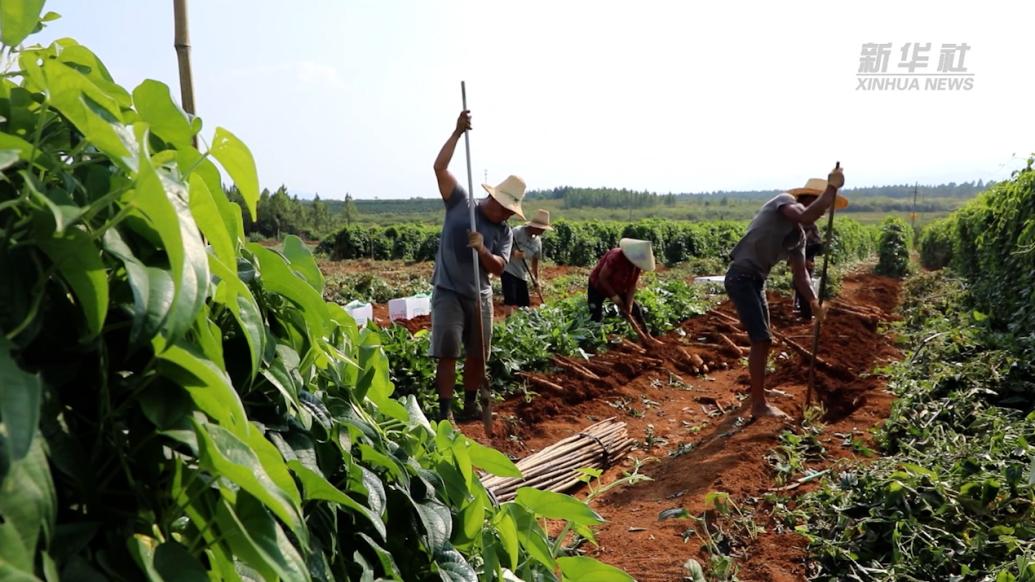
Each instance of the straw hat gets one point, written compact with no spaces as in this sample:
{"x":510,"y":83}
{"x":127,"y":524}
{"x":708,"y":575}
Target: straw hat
{"x":540,"y":220}
{"x":638,"y":252}
{"x":816,"y":187}
{"x":509,"y":194}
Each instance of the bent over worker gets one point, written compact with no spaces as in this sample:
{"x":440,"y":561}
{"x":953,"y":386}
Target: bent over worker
{"x":615,"y":277}
{"x":776,"y":234}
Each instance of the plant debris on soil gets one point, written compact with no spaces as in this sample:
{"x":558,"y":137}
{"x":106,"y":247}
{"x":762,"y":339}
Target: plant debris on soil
{"x":691,"y":424}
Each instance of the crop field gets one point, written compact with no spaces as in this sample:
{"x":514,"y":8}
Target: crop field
{"x":182,"y":400}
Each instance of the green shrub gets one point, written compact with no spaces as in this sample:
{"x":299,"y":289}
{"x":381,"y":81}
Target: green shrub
{"x":896,"y":239}
{"x":936,"y":243}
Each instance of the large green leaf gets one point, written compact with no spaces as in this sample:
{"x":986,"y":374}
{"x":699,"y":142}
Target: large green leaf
{"x":302,"y":261}
{"x":20,"y":394}
{"x":257,"y":539}
{"x":18,"y":18}
{"x":556,"y":506}
{"x":384,"y":556}
{"x":203,"y":208}
{"x":318,"y":488}
{"x":227,"y":456}
{"x":237,"y":160}
{"x":164,"y":202}
{"x":27,"y":500}
{"x":583,"y":569}
{"x":530,"y":535}
{"x":438,"y":522}
{"x":507,"y":530}
{"x":79,"y":262}
{"x":95,"y":113}
{"x":208,"y":386}
{"x":156,"y":107}
{"x":278,"y":277}
{"x":452,"y":567}
{"x":237,"y":297}
{"x":13,"y":142}
{"x":192,"y":162}
{"x":153,"y":288}
{"x":491,"y":460}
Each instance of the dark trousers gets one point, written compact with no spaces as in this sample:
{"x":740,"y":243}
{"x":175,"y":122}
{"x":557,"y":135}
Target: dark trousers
{"x":800,"y":303}
{"x":515,"y":290}
{"x":596,"y":307}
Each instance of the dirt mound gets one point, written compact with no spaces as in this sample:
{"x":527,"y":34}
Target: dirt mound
{"x":691,"y":429}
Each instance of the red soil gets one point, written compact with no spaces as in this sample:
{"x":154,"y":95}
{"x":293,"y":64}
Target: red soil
{"x":666,"y":406}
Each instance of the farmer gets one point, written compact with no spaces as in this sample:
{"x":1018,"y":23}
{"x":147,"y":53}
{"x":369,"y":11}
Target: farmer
{"x":813,"y":247}
{"x":615,"y":277}
{"x":458,"y":302}
{"x":776,"y":233}
{"x":524,"y":261}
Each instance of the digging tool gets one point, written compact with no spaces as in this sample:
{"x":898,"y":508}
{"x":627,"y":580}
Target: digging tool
{"x":483,"y":391}
{"x":534,"y":281}
{"x":822,"y":290}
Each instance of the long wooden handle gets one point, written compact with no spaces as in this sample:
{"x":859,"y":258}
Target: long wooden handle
{"x":485,"y":395}
{"x":822,"y":291}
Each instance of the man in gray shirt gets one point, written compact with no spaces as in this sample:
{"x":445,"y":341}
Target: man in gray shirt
{"x":524,"y":261}
{"x":458,"y":302}
{"x":776,"y":234}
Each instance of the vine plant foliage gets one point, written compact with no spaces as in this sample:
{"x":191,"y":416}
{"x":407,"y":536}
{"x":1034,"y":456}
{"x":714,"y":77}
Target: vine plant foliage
{"x":178,"y":404}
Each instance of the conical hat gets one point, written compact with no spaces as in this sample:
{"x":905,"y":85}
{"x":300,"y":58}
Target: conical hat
{"x":639,"y":253}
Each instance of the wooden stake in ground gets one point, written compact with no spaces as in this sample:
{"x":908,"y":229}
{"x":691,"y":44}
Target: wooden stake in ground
{"x":483,"y":389}
{"x":182,"y":44}
{"x":822,"y":290}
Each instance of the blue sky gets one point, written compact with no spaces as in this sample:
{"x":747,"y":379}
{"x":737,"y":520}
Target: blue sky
{"x":357,"y":96}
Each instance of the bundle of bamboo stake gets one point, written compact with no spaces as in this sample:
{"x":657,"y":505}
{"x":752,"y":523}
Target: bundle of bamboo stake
{"x":556,"y":468}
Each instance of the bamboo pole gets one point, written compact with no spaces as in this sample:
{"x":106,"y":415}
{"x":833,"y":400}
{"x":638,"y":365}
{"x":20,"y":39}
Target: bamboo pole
{"x":181,"y":43}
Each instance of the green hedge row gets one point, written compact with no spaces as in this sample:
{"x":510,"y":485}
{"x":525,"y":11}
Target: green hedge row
{"x":991,"y":242}
{"x":582,"y":243}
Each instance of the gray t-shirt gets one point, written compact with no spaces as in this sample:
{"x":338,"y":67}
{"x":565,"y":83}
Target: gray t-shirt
{"x":453,"y":269}
{"x":770,"y":238}
{"x":532,"y":246}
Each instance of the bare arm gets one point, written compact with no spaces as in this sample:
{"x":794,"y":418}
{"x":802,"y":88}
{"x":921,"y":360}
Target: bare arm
{"x":535,"y":267}
{"x":491,"y":263}
{"x":802,"y":280}
{"x":800,"y":213}
{"x":446,"y":181}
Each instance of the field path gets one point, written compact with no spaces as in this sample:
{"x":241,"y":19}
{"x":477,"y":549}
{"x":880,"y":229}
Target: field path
{"x":691,"y":429}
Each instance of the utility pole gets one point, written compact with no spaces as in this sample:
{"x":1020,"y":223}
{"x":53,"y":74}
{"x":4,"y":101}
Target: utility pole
{"x":913,"y":216}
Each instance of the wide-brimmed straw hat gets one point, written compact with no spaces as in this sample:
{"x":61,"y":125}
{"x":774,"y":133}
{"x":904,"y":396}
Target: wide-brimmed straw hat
{"x":509,"y":194}
{"x":541,"y":220}
{"x":639,"y":253}
{"x":816,"y":187}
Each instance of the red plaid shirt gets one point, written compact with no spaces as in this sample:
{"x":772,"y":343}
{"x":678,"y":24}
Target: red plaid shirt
{"x":622,"y":274}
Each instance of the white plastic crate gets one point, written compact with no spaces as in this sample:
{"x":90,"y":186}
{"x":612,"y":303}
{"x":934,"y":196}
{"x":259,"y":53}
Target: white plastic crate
{"x":361,"y":312}
{"x":409,"y":307}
